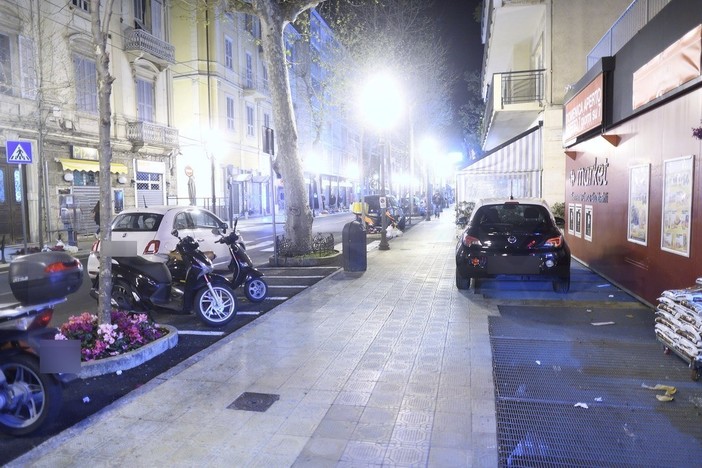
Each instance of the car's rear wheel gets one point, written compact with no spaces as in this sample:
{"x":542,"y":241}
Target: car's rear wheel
{"x":562,"y":285}
{"x":461,"y":282}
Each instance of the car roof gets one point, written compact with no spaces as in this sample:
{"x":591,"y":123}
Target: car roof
{"x":502,"y":201}
{"x":158,"y":209}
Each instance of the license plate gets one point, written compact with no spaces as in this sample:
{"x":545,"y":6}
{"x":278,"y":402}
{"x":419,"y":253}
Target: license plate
{"x":516,"y":265}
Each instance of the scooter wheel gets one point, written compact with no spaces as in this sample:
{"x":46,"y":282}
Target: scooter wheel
{"x":37,"y":399}
{"x":217,"y":307}
{"x":122,"y":296}
{"x":256,"y":289}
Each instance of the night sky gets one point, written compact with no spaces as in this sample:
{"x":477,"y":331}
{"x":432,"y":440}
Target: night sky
{"x":462,"y":35}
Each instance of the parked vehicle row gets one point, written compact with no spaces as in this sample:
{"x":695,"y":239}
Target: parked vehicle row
{"x":186,"y":281}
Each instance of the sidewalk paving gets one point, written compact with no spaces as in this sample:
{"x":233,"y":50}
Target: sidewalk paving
{"x":389,"y":366}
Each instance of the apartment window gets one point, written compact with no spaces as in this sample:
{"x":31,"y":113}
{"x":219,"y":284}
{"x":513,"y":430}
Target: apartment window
{"x":249,"y":23}
{"x":267,"y":120}
{"x":250,"y":131}
{"x":228,"y":53}
{"x":249,"y":70}
{"x":86,"y":84}
{"x":265,"y":78}
{"x":5,"y":65}
{"x":145,"y":100}
{"x":148,"y":15}
{"x":82,"y":4}
{"x":230,"y":114}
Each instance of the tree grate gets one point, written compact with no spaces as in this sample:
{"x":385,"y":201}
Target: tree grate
{"x":259,"y":402}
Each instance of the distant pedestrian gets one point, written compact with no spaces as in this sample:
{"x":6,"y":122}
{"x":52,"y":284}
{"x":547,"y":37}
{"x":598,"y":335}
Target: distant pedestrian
{"x":96,"y":216}
{"x":436,"y":201}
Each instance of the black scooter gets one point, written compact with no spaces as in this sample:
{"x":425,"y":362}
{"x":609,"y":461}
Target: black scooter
{"x":141,"y":284}
{"x":244,"y":272}
{"x":30,"y":398}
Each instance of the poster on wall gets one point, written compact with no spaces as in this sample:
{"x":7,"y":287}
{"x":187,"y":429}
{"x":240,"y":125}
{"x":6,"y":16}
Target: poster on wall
{"x":579,"y":220}
{"x":588,"y":223}
{"x":639,"y":182}
{"x":571,"y":218}
{"x":677,"y":205}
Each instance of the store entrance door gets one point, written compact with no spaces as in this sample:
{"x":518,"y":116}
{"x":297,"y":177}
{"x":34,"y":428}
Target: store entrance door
{"x":11,"y":195}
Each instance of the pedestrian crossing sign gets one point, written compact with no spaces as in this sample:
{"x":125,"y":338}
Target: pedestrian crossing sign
{"x":19,"y":152}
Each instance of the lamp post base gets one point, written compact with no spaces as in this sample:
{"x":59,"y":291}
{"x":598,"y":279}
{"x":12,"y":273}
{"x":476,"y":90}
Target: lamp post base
{"x":383,"y":242}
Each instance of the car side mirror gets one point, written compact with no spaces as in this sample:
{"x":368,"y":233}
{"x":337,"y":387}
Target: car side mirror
{"x":560,"y":222}
{"x":174,"y":233}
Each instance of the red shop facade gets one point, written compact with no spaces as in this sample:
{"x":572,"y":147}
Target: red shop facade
{"x":633,"y":162}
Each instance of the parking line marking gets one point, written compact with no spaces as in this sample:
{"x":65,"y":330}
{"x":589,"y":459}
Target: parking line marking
{"x":297,"y":276}
{"x":199,"y":332}
{"x":248,"y":312}
{"x":277,"y":298}
{"x":289,"y":287}
{"x":260,"y":244}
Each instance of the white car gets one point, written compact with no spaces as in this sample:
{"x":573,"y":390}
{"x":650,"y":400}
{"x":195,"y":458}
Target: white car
{"x":147,"y":232}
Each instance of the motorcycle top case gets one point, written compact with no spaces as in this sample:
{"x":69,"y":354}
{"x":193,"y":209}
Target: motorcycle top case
{"x":44,"y":276}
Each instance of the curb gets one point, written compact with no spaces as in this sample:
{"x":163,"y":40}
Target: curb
{"x":132,"y":358}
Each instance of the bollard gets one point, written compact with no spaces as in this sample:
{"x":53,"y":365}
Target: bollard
{"x":353,"y":242}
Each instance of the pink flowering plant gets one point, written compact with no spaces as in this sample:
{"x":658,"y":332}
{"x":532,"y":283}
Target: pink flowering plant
{"x":127,"y":331}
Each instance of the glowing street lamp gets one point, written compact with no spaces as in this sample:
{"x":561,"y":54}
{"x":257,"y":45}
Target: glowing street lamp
{"x":381,"y":103}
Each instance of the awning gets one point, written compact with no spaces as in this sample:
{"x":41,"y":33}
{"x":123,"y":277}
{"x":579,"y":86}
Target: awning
{"x":242,"y":177}
{"x":90,"y":166}
{"x":260,"y":179}
{"x":520,"y":154}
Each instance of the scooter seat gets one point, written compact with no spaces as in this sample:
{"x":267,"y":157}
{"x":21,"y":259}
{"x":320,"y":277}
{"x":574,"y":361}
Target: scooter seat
{"x":158,"y":271}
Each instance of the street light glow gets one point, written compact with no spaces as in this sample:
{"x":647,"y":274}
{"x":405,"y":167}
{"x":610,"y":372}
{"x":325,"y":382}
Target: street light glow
{"x":381,"y":101}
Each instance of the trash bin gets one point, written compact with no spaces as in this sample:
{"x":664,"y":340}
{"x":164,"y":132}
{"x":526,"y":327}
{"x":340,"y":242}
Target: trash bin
{"x":353,"y":245}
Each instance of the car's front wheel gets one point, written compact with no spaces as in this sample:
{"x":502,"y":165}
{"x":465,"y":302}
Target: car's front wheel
{"x":562,"y":285}
{"x":461,"y":282}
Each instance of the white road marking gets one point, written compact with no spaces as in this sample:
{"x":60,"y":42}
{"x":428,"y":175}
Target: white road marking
{"x":290,"y":287}
{"x":296,"y":276}
{"x":249,"y":312}
{"x":277,"y":298}
{"x":260,"y":244}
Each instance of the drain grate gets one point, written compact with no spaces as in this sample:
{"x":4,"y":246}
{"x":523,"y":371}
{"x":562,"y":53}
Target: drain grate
{"x":544,"y":364}
{"x":258,"y":402}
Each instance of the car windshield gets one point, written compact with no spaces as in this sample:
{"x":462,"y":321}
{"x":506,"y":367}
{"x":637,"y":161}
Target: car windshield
{"x":144,"y":222}
{"x":512,"y":216}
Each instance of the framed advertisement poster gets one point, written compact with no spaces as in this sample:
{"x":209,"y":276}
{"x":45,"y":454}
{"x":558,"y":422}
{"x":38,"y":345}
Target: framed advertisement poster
{"x":639,"y":184}
{"x":677,"y":205}
{"x":571,"y":218}
{"x":579,"y":220}
{"x":588,"y":223}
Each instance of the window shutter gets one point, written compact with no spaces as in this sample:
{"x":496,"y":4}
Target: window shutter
{"x":28,"y":70}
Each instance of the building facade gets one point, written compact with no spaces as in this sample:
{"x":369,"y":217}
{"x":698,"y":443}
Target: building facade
{"x":632,"y":143}
{"x":533,"y":53}
{"x":189,"y":113}
{"x":48,"y":97}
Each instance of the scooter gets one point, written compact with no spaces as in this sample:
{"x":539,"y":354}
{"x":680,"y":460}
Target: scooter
{"x":141,"y":284}
{"x":244,"y":272}
{"x":30,"y":398}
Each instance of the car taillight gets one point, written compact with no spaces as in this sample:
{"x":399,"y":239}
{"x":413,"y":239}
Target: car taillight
{"x":152,"y":247}
{"x":554,"y":242}
{"x":470,"y":241}
{"x":96,"y":246}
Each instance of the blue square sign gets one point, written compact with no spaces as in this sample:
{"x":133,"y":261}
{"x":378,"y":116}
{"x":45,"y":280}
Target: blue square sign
{"x":19,"y":152}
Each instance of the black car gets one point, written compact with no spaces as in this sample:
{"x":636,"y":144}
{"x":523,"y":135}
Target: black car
{"x":513,"y":237}
{"x":392,"y":207}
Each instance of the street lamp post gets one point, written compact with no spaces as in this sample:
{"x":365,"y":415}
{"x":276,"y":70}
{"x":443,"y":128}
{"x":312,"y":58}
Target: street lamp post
{"x":382,"y":105}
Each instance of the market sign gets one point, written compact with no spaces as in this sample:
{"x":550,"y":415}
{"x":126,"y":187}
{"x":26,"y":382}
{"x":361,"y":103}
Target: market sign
{"x":584,"y":111}
{"x":673,"y":67}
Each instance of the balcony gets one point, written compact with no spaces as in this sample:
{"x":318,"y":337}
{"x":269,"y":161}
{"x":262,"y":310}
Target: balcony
{"x":514,"y":101}
{"x":151,"y":134}
{"x":139,"y":42}
{"x":258,"y":89}
{"x":629,"y":23}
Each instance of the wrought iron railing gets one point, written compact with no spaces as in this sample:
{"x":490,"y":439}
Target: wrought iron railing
{"x":142,"y":40}
{"x":141,"y":133}
{"x":629,"y":23}
{"x":322,"y":245}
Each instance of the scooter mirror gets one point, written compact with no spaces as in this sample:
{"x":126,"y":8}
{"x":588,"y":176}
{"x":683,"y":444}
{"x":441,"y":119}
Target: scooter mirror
{"x":175,"y":233}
